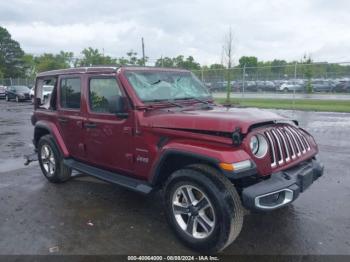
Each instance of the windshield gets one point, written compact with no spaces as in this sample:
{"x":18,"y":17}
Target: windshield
{"x":166,"y":85}
{"x":21,"y":88}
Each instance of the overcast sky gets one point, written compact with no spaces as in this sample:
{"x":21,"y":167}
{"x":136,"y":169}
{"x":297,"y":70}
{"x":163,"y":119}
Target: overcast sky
{"x":266,"y":29}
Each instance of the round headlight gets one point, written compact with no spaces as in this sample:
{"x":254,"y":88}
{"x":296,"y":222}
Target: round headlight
{"x":258,"y":145}
{"x":254,"y":144}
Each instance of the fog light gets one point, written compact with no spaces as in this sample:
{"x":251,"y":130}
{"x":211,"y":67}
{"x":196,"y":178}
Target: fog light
{"x":274,"y":199}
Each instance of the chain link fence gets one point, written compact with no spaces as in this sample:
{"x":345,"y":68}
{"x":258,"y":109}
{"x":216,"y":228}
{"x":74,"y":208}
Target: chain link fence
{"x":17,"y":82}
{"x":279,"y":81}
{"x":298,"y":78}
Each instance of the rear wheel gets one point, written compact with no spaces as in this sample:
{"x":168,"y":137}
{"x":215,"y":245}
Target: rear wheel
{"x":203,"y":208}
{"x":51,"y":161}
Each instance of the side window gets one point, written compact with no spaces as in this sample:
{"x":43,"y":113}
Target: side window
{"x":70,"y":93}
{"x":102,"y":94}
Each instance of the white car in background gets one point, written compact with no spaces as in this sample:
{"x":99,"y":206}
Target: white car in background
{"x":289,"y":86}
{"x":47,"y":90}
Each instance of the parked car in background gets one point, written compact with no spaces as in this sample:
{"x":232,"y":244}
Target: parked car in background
{"x":19,"y":93}
{"x":279,"y":82}
{"x":249,"y":86}
{"x":2,"y":92}
{"x":342,"y":87}
{"x":265,"y":86}
{"x":290,"y":86}
{"x":218,"y":86}
{"x":47,"y":90}
{"x":322,"y":85}
{"x":31,"y":94}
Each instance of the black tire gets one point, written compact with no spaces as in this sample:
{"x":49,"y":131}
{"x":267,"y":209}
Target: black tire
{"x":61,"y":173}
{"x":285,"y":90}
{"x":225,"y":202}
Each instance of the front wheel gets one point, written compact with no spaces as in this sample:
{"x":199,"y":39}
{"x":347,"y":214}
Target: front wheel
{"x":51,"y":161}
{"x":203,"y":208}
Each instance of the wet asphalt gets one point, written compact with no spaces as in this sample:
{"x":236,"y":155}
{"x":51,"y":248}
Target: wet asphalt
{"x":87,"y":216}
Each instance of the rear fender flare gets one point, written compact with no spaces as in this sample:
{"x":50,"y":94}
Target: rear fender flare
{"x":52,"y":130}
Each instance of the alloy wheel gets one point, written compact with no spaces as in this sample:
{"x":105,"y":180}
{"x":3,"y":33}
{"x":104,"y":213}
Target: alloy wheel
{"x":48,"y":160}
{"x":193,"y":211}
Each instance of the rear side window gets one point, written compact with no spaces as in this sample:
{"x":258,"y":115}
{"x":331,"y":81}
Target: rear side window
{"x":70,"y":93}
{"x":102,"y":94}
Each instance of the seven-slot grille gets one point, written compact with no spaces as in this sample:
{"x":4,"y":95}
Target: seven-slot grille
{"x":286,"y":143}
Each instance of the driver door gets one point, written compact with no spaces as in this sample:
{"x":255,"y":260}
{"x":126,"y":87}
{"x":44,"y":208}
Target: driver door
{"x":109,"y":138}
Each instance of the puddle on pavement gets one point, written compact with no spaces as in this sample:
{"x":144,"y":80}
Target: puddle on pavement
{"x":11,"y":164}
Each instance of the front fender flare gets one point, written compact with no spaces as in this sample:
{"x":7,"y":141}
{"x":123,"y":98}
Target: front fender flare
{"x":210,"y":155}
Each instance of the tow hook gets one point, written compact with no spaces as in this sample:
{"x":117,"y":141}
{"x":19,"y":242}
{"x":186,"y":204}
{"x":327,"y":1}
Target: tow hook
{"x":30,"y":158}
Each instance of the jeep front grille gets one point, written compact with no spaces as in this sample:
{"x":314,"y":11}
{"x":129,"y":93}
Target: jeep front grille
{"x":286,"y":143}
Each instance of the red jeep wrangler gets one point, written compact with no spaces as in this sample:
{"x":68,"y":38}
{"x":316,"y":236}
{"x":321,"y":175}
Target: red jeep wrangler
{"x":156,"y":128}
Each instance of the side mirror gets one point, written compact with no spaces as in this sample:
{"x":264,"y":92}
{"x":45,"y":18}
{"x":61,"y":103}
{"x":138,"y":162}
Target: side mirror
{"x":118,"y":105}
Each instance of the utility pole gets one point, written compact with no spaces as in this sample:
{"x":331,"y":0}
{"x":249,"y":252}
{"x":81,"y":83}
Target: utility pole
{"x":243,"y":80}
{"x":143,"y":52}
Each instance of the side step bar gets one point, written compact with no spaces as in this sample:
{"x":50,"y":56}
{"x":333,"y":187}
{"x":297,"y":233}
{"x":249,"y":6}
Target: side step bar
{"x":114,"y":178}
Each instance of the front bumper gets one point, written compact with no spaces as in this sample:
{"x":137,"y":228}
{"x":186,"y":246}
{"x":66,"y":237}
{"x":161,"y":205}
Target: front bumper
{"x":282,"y":187}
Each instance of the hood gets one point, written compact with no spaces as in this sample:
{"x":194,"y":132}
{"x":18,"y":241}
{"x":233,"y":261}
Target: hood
{"x":219,"y":119}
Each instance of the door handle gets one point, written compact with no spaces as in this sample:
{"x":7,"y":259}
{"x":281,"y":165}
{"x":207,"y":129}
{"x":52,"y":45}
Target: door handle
{"x":90,"y":125}
{"x":62,"y":120}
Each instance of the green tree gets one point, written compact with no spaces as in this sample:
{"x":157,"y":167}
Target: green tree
{"x":93,"y":56}
{"x":278,"y":66}
{"x":29,"y":65}
{"x":307,"y":70}
{"x":11,"y":54}
{"x":165,"y":62}
{"x":47,"y":61}
{"x":180,"y":61}
{"x":250,"y":62}
{"x":189,"y":63}
{"x":131,"y":59}
{"x":217,"y":66}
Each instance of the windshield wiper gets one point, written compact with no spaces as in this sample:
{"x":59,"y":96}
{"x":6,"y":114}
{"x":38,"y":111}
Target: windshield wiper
{"x":156,"y":82}
{"x":194,"y":98}
{"x":166,"y":101}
